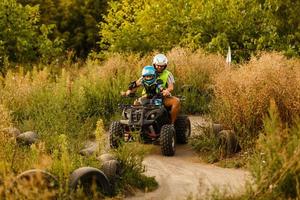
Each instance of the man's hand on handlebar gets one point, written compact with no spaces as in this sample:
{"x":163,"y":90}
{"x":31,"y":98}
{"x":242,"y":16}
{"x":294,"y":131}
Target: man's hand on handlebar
{"x":166,"y":93}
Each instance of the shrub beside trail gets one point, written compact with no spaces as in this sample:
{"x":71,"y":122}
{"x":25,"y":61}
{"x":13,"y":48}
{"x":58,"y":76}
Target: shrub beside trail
{"x":243,"y":93}
{"x":275,"y":165}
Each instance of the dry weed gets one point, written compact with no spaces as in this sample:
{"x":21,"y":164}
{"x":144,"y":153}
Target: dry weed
{"x":243,"y":95}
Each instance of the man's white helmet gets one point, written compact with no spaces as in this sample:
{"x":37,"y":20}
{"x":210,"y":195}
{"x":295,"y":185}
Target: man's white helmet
{"x":160,"y":59}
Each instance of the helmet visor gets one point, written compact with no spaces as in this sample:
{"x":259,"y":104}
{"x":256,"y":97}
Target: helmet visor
{"x":148,"y":77}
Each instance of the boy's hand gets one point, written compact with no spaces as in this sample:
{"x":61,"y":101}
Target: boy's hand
{"x":125,"y":93}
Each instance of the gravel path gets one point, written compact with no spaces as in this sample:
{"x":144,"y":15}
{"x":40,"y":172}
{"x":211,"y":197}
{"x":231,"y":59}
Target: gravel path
{"x":183,"y":176}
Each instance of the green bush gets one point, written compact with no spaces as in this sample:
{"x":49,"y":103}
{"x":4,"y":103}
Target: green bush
{"x":131,"y":156}
{"x":21,"y":39}
{"x":275,"y":165}
{"x":74,"y":21}
{"x":207,"y":145}
{"x":246,"y":26}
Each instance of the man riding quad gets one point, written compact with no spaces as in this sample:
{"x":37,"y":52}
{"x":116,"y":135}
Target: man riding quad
{"x":160,"y":63}
{"x":150,"y":117}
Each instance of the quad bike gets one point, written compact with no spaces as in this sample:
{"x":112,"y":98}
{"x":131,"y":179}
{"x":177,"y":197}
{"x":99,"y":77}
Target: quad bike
{"x":151,"y":120}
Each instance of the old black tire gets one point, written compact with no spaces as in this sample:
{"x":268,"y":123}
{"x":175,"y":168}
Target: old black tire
{"x":85,"y":177}
{"x":111,"y":168}
{"x":40,"y":175}
{"x":183,"y":129}
{"x":36,"y":181}
{"x":217,"y":128}
{"x":167,"y":140}
{"x":116,"y":132}
{"x":228,"y":142}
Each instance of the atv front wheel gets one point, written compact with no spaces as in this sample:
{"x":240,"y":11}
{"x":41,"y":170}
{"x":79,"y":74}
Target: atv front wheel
{"x":167,"y":140}
{"x":116,"y":132}
{"x":183,"y":129}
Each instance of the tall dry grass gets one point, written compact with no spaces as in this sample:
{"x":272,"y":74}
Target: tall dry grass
{"x":66,"y":106}
{"x":63,"y":109}
{"x":243,"y":93}
{"x":275,"y":164}
{"x":194,"y":72}
{"x":71,"y":101}
{"x":5,"y":121}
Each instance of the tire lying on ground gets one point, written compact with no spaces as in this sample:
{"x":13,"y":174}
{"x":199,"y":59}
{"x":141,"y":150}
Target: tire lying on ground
{"x":12,"y":131}
{"x":216,"y":128}
{"x":36,"y":182}
{"x":27,"y":138}
{"x":90,"y":149}
{"x":228,"y":142}
{"x":105,"y":157}
{"x":111,"y":169}
{"x":88,"y":178}
{"x":183,"y":129}
{"x":38,"y":175}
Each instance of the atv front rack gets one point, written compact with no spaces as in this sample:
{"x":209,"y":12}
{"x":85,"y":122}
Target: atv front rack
{"x":135,"y":117}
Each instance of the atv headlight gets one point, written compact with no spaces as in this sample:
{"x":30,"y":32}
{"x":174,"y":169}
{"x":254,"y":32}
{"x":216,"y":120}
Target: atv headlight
{"x":152,"y":116}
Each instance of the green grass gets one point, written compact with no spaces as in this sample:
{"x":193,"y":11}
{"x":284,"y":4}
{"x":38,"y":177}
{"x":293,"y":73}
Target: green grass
{"x":131,"y":156}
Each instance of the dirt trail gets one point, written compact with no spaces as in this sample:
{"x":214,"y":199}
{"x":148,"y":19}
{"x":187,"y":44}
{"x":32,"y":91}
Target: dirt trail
{"x":184,"y":176}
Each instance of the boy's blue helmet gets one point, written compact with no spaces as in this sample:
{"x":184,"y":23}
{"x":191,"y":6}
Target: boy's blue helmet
{"x":149,"y":75}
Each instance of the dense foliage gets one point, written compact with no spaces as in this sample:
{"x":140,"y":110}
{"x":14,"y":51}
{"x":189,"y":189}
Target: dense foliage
{"x":247,"y":26}
{"x":38,"y":28}
{"x":75,"y":21}
{"x":275,"y":165}
{"x":21,"y":38}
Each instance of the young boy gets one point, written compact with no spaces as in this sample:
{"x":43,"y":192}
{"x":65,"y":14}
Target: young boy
{"x":149,"y":81}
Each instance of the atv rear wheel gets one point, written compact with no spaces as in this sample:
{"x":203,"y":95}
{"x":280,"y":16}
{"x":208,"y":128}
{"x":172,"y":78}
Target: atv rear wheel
{"x":167,"y":140}
{"x":183,"y":129}
{"x":116,"y":132}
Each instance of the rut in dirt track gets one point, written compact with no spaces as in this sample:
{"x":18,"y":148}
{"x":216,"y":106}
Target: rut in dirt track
{"x":183,"y":175}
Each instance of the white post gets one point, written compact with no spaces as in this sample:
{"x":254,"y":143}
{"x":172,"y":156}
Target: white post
{"x":228,"y":57}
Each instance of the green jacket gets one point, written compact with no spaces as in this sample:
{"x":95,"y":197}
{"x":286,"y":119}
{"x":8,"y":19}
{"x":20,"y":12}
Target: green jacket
{"x":164,"y":77}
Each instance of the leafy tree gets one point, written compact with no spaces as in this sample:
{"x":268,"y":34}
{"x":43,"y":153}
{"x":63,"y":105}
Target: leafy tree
{"x":75,"y":21}
{"x":215,"y":25}
{"x":17,"y":25}
{"x":119,"y":30}
{"x":283,"y":18}
{"x":247,"y":26}
{"x":147,"y":25}
{"x":21,"y":39}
